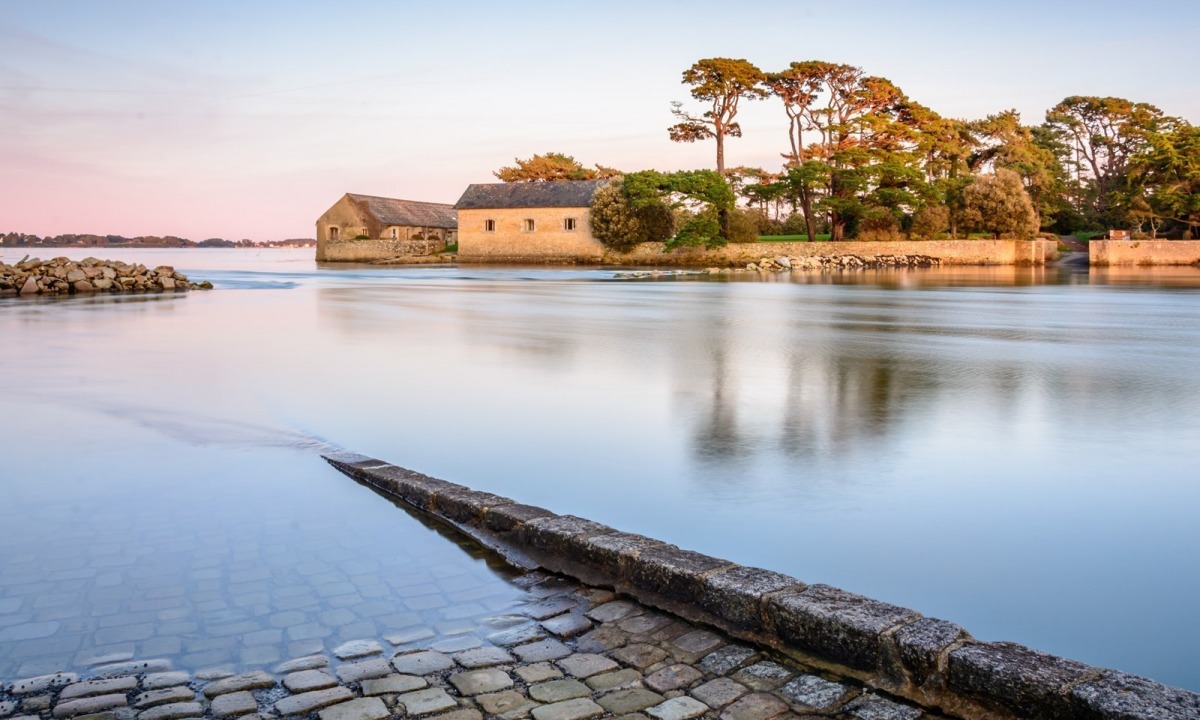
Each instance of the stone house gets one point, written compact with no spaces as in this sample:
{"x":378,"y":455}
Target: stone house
{"x":361,"y":228}
{"x":528,"y":222}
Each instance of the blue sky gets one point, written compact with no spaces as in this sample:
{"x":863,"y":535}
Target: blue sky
{"x":248,"y":119}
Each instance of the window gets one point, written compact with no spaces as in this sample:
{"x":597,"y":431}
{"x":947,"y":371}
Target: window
{"x":528,"y":225}
{"x":489,"y":225}
{"x":333,"y":234}
{"x":395,"y":235}
{"x":569,"y":224}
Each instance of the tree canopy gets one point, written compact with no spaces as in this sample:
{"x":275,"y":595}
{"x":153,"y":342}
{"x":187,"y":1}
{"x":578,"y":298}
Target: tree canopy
{"x":722,"y":83}
{"x":551,"y":167}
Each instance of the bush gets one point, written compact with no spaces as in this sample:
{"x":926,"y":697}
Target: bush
{"x":878,"y":224}
{"x":620,"y":226}
{"x":743,"y":225}
{"x":929,"y":221}
{"x":999,"y":204}
{"x":795,"y":225}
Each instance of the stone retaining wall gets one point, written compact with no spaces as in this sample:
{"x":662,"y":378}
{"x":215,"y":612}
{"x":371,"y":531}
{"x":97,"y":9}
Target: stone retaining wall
{"x":932,"y":662}
{"x":379,"y":249}
{"x":1144,"y":252}
{"x":950,"y":252}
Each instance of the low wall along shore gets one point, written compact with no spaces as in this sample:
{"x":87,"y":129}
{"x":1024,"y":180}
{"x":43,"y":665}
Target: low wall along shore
{"x":950,"y":252}
{"x":1144,"y":252}
{"x":932,"y":662}
{"x":375,"y":249}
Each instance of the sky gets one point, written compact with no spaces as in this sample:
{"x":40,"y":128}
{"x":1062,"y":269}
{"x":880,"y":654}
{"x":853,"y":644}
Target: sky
{"x":248,"y":119}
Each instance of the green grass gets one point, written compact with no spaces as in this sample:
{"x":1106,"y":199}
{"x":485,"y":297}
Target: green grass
{"x":451,"y":248}
{"x":792,"y":238}
{"x":1085,"y":235}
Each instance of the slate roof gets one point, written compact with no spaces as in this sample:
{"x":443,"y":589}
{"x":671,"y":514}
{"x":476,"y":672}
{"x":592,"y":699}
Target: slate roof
{"x":562,"y":193}
{"x":411,"y":213}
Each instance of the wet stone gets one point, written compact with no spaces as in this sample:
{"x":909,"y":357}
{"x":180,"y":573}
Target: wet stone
{"x":305,"y":703}
{"x":726,"y":659}
{"x":639,"y":655}
{"x":559,"y":690}
{"x":234,"y":704}
{"x":421,"y":663}
{"x":174,"y":711}
{"x":150,"y":698}
{"x":87,"y":705}
{"x":517,"y":635}
{"x":238,"y":683}
{"x":36,"y":703}
{"x":613,"y":611}
{"x":483,"y":657}
{"x":33,"y":685}
{"x":410,"y":636}
{"x":133,"y":668}
{"x":311,"y":662}
{"x":602,"y":639}
{"x":567,"y":625}
{"x":763,"y":675}
{"x":462,"y":714}
{"x":644,"y":624}
{"x":719,"y":693}
{"x":7,"y":708}
{"x":547,"y":649}
{"x":810,"y":692}
{"x":549,"y":608}
{"x":627,"y":701}
{"x":392,"y":685}
{"x":577,"y":709}
{"x":476,"y":682}
{"x":155,"y":681}
{"x":537,"y":672}
{"x":456,"y":644}
{"x":508,"y":704}
{"x":619,"y":680}
{"x":678,"y":708}
{"x":308,"y":680}
{"x":368,"y":708}
{"x":583,"y":665}
{"x":759,"y":706}
{"x":98,"y":687}
{"x":873,"y":707}
{"x":364,"y":670}
{"x":356,"y":649}
{"x":673,"y":677}
{"x":424,"y":702}
{"x":694,"y":645}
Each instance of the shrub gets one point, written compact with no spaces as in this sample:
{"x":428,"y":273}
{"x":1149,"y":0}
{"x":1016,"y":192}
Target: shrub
{"x":878,"y":224}
{"x":743,"y":225}
{"x":929,"y":221}
{"x":999,"y":204}
{"x":618,"y":225}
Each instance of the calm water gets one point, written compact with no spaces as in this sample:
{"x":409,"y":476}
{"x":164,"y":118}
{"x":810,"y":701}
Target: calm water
{"x":1015,"y":450}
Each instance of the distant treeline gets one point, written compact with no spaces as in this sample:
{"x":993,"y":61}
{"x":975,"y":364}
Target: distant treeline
{"x":142,"y":241}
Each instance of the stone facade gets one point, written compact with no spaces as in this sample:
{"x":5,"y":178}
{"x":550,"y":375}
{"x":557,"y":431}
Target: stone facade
{"x":364,"y":228}
{"x":528,"y":222}
{"x":1144,"y":252}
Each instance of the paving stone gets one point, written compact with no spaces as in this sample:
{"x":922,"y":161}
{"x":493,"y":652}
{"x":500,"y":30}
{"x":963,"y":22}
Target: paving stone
{"x":483,"y":657}
{"x":32,"y":685}
{"x":613,"y":611}
{"x":673,"y":677}
{"x":568,"y":625}
{"x":364,"y":670}
{"x":28,"y":631}
{"x":155,"y":681}
{"x":84,"y":706}
{"x":577,"y":709}
{"x":814,"y":693}
{"x":727,"y":659}
{"x":177,"y":693}
{"x":537,"y":672}
{"x":89,"y":688}
{"x":462,"y":714}
{"x":602,"y":639}
{"x":421,"y":663}
{"x":357,"y":649}
{"x":305,"y":703}
{"x":312,"y":662}
{"x":627,"y":701}
{"x":517,"y":635}
{"x":126,"y":714}
{"x":678,"y":708}
{"x":476,"y":682}
{"x":558,"y":690}
{"x":719,"y":693}
{"x":237,"y":683}
{"x":7,"y":708}
{"x":234,"y":704}
{"x":583,"y":665}
{"x":548,"y":649}
{"x":135,"y":667}
{"x":424,"y":702}
{"x":763,"y":675}
{"x":367,"y":708}
{"x":873,"y":707}
{"x":549,"y":608}
{"x":209,"y":674}
{"x":308,"y":680}
{"x":507,"y":704}
{"x":644,"y":624}
{"x":694,"y":645}
{"x":757,"y":706}
{"x":619,"y":680}
{"x":174,"y":711}
{"x":36,"y":703}
{"x":393,"y":685}
{"x":410,"y":636}
{"x":639,"y":655}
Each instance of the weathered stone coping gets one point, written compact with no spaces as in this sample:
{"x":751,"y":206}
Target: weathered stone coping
{"x":932,"y":662}
{"x":1144,"y":252}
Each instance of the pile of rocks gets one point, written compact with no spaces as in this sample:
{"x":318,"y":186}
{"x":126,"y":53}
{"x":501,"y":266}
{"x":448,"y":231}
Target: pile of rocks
{"x":32,"y":276}
{"x":841,"y":262}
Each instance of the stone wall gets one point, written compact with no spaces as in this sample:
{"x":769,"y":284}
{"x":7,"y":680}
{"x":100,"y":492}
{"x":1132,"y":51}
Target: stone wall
{"x":510,"y":243}
{"x":932,"y":662}
{"x":378,"y":249}
{"x":950,"y":252}
{"x":1144,"y":252}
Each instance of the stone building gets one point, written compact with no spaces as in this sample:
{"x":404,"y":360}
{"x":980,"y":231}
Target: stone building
{"x":361,"y":228}
{"x":528,"y":222}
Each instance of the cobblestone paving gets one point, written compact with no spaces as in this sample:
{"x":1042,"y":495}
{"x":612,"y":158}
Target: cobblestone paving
{"x":566,"y":652}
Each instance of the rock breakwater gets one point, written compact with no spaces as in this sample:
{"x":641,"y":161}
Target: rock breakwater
{"x":784,"y":263}
{"x":62,"y":276}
